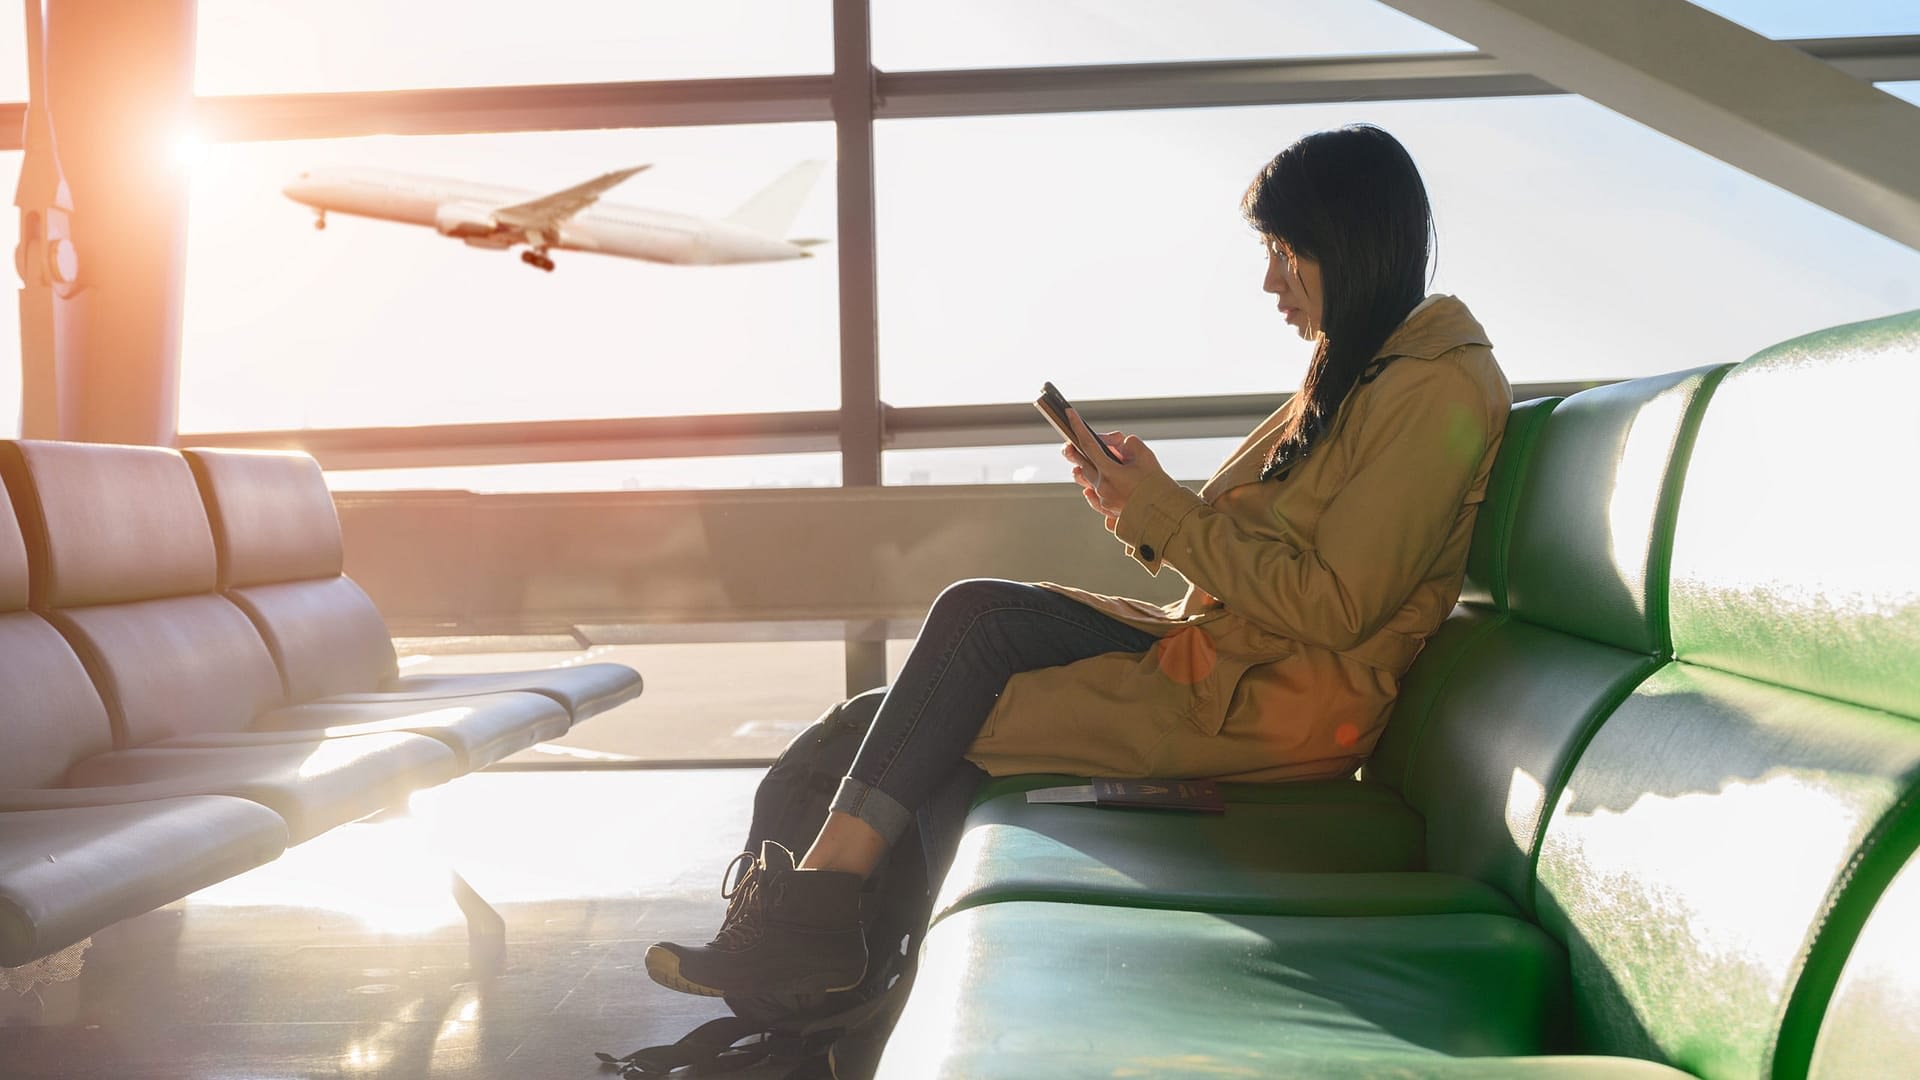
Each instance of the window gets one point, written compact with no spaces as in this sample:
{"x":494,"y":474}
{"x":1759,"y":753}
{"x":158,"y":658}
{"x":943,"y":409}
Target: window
{"x":373,"y":323}
{"x":655,"y":474}
{"x":1106,"y":251}
{"x":297,"y":46}
{"x":13,"y":55}
{"x":1829,"y":18}
{"x":1188,"y":460}
{"x":10,"y":311}
{"x":909,"y":34}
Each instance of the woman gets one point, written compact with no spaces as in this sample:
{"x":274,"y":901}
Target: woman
{"x":1320,"y":557}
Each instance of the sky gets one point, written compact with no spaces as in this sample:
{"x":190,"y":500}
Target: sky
{"x":1102,"y":251}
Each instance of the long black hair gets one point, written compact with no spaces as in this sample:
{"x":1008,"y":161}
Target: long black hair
{"x":1352,"y":200}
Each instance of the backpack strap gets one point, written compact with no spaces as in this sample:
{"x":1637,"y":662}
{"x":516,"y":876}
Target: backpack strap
{"x":710,"y":1048}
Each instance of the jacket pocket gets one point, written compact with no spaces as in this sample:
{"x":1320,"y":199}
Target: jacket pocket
{"x":1213,"y":696}
{"x":1215,"y":660}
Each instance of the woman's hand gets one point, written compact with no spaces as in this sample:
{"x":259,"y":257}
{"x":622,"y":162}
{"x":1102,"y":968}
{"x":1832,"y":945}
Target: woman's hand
{"x":1106,"y":484}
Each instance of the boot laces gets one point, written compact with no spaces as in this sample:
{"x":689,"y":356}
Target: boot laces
{"x":741,"y":925}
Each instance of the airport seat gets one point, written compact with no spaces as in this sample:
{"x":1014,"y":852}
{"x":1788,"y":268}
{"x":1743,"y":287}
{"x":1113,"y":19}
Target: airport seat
{"x":1872,"y":1019}
{"x":281,"y":560}
{"x":67,"y":871}
{"x":120,"y":563}
{"x":1681,"y":736}
{"x":124,"y":566}
{"x":1506,"y":689}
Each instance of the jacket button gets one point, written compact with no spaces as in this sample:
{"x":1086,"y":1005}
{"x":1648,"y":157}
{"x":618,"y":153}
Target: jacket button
{"x":1146,"y":552}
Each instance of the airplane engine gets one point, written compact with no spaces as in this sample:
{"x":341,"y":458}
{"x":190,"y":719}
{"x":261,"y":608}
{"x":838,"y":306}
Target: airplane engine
{"x":465,"y":220}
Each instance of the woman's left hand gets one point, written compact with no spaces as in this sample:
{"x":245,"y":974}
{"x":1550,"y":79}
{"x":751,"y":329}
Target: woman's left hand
{"x":1106,"y":484}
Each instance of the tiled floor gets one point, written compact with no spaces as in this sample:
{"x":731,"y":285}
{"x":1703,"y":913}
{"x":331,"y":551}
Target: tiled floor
{"x":347,"y":956}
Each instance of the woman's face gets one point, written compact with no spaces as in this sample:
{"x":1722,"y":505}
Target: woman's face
{"x":1295,"y":281}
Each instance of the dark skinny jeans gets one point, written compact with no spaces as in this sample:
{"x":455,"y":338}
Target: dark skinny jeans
{"x":980,"y":633}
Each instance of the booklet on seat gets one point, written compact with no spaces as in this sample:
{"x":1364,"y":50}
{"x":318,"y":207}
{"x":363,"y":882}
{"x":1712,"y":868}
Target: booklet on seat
{"x":1197,"y":796}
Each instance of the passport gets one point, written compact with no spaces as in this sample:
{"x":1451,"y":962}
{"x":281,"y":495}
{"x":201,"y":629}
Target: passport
{"x":1196,"y":796}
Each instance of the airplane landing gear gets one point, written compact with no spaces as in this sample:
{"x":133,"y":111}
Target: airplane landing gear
{"x":320,"y":220}
{"x":537,"y":259}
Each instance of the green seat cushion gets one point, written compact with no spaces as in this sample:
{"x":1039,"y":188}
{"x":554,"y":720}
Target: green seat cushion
{"x":1421,"y":688}
{"x":1793,"y":560}
{"x":1486,"y":578}
{"x":1707,"y":864}
{"x":1276,"y":794}
{"x":1499,"y":739}
{"x":1025,"y":989}
{"x":1013,"y":849}
{"x":1873,"y":1021}
{"x":1594,"y":523}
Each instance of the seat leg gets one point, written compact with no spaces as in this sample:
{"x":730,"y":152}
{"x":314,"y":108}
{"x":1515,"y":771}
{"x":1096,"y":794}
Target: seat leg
{"x":486,"y":930}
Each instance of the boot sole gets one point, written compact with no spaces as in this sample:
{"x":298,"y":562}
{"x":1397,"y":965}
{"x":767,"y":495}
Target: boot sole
{"x":663,"y":967}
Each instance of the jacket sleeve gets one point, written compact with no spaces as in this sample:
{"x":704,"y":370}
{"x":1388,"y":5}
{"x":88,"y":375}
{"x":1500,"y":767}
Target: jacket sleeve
{"x":1417,"y":447}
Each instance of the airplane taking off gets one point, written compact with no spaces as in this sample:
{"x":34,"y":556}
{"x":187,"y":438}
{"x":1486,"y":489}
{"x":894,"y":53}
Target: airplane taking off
{"x":571,"y":220}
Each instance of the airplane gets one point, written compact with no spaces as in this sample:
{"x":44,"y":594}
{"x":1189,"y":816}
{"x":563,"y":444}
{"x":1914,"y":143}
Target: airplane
{"x":486,"y":216}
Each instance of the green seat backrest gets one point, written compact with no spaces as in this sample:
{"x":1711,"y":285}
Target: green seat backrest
{"x":1724,"y":833}
{"x":1483,"y":596}
{"x":1872,"y":1026}
{"x":1586,"y":553}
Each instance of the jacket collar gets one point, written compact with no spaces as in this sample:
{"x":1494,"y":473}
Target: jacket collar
{"x":1440,"y":323}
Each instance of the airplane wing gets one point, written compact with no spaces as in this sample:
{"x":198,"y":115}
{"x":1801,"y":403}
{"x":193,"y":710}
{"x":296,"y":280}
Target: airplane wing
{"x":549,"y":211}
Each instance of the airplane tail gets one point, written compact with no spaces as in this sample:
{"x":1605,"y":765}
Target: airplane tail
{"x":771,"y":212}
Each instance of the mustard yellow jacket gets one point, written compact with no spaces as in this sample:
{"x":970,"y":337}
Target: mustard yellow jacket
{"x":1307,"y":599}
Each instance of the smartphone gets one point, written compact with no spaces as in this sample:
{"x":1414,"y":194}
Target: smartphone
{"x":1053,"y":405}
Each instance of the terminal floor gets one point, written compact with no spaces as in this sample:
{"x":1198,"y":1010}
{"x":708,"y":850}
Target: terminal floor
{"x":347,"y":957}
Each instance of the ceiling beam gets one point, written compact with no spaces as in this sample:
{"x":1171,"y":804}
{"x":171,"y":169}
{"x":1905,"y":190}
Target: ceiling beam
{"x":906,"y":94}
{"x":1760,"y":105}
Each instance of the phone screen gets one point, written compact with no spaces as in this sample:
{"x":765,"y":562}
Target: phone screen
{"x":1053,"y":405}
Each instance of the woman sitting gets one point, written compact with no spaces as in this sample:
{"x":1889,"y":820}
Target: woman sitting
{"x":1320,"y":556}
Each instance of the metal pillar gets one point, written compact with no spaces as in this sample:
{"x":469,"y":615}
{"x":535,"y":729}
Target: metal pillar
{"x":119,"y":91}
{"x":853,"y":104}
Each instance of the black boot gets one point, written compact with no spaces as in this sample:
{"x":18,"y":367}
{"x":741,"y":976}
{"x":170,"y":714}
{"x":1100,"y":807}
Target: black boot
{"x":787,"y":931}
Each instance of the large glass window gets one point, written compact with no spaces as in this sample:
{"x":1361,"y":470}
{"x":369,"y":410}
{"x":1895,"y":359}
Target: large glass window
{"x":1828,"y":18}
{"x":654,"y":474}
{"x":10,"y":307}
{"x":910,"y":34}
{"x":1106,"y":252}
{"x":373,"y":323}
{"x":13,"y":55}
{"x":1189,"y":460}
{"x":298,"y":46}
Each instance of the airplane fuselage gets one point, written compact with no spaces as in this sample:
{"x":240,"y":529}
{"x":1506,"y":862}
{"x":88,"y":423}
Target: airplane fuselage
{"x":465,"y":210}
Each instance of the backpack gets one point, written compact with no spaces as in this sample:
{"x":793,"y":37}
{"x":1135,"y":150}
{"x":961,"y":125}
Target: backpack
{"x":789,"y":807}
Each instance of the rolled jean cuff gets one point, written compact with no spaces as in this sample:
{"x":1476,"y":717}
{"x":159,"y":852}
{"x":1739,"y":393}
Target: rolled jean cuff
{"x":881,"y":811}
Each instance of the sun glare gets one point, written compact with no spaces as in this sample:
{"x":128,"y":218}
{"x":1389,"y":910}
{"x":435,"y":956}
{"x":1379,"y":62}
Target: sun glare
{"x":187,"y":152}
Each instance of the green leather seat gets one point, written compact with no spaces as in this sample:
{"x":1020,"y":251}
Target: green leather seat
{"x":1492,"y":714}
{"x":1022,"y":989}
{"x":1259,"y":856}
{"x":1728,"y":829}
{"x":1724,"y":834}
{"x":1872,"y":1026}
